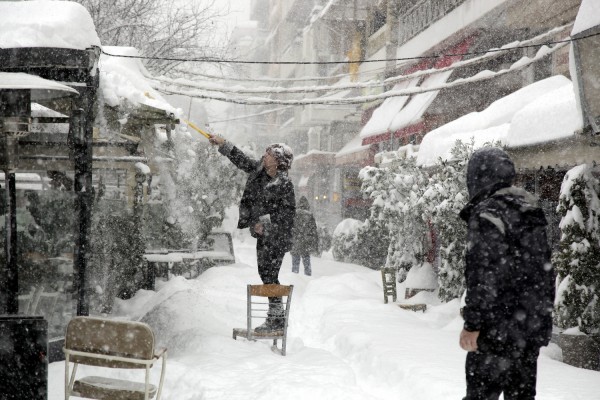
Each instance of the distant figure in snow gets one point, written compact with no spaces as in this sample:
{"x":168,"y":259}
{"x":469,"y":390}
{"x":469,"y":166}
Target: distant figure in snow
{"x":305,"y":237}
{"x":267,"y":208}
{"x":510,"y":282}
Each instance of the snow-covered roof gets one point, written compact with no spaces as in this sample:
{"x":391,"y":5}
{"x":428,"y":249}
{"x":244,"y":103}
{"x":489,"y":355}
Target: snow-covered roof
{"x":41,"y":88}
{"x":60,"y":24}
{"x":122,"y":79}
{"x":540,"y":112}
{"x":587,"y":17}
{"x":397,"y":112}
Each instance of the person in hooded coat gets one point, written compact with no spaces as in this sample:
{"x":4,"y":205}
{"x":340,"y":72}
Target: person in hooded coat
{"x":267,"y":208}
{"x":510,"y":282}
{"x":305,"y":237}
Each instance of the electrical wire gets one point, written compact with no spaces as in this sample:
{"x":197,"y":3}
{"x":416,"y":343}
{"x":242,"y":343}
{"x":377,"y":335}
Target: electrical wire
{"x":362,"y":61}
{"x":482,"y":76}
{"x":542,"y":36}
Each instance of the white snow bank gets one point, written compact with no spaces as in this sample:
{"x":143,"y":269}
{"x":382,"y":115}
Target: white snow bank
{"x":587,"y":17}
{"x":495,"y":123}
{"x":421,"y":277}
{"x":61,"y":24}
{"x":343,"y":342}
{"x":122,"y":79}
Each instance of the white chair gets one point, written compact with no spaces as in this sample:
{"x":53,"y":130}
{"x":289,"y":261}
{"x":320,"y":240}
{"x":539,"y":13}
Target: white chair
{"x":111,"y":344}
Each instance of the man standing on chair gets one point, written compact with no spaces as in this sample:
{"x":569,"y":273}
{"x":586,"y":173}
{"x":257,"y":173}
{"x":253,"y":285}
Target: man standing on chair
{"x":510,"y":281}
{"x":267,"y":208}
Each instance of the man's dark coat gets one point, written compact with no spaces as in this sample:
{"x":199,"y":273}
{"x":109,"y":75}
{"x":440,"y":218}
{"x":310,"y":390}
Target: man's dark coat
{"x":510,"y":281}
{"x":305,"y":235}
{"x":265,"y":196}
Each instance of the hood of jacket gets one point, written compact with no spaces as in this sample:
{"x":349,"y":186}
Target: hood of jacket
{"x":489,"y":168}
{"x":303,"y":204}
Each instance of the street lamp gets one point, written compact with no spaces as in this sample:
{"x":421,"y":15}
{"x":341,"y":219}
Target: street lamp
{"x":586,"y":52}
{"x":17,"y":90}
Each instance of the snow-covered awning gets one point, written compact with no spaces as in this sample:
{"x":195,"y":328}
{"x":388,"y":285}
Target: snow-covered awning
{"x":417,"y":106}
{"x":541,"y":112}
{"x":383,"y":115}
{"x":59,"y":24}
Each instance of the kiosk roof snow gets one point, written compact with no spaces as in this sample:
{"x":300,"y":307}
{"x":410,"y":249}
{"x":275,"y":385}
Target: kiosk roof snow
{"x":123,"y":79}
{"x":60,"y":24}
{"x":587,"y":17}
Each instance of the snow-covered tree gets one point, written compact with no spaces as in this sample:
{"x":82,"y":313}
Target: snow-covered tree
{"x":445,"y":196}
{"x":160,"y":28}
{"x":396,"y":191}
{"x":577,"y":261}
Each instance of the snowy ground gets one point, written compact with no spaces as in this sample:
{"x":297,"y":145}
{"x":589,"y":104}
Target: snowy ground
{"x":344,"y":342}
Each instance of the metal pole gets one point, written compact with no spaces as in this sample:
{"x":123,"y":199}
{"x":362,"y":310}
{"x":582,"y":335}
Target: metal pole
{"x":10,"y":245}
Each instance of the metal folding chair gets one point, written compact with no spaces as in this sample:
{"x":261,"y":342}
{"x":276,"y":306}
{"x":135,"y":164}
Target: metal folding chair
{"x":257,"y":307}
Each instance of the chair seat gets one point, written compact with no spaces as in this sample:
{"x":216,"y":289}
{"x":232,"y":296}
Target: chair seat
{"x":97,"y":387}
{"x":262,"y":335}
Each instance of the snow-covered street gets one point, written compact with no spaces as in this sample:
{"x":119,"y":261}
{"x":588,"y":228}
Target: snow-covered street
{"x":344,"y":342}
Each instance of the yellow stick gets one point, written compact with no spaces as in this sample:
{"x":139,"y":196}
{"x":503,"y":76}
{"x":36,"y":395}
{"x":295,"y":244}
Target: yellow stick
{"x":200,"y":131}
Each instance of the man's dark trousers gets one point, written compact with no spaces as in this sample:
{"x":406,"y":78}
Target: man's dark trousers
{"x":488,"y":375}
{"x":269,"y":259}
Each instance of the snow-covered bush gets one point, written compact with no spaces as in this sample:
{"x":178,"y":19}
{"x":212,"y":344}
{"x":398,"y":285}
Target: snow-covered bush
{"x":325,"y":239}
{"x":445,"y":196}
{"x":396,"y":191}
{"x":344,"y":239}
{"x":577,"y":261}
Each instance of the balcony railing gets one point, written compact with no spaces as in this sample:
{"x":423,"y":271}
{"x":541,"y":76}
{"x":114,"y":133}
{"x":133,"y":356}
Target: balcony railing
{"x":422,"y":15}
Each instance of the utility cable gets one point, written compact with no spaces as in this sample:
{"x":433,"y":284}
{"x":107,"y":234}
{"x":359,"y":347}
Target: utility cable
{"x":357,"y":85}
{"x":481,"y":76}
{"x":413,"y":58}
{"x":542,"y":36}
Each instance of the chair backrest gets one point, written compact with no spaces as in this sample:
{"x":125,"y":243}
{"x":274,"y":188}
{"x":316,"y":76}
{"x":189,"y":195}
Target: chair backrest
{"x":127,"y":339}
{"x":270,"y":290}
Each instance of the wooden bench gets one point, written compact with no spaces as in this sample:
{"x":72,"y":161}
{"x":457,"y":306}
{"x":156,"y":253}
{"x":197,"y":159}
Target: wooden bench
{"x":111,"y":344}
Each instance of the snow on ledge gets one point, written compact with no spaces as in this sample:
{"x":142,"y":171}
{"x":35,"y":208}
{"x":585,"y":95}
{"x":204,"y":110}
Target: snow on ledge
{"x":301,"y":156}
{"x":60,"y":24}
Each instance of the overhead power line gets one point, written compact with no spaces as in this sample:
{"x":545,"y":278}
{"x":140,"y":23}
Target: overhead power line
{"x":482,"y":76}
{"x":508,"y":46}
{"x":413,"y":58}
{"x":356,"y":85}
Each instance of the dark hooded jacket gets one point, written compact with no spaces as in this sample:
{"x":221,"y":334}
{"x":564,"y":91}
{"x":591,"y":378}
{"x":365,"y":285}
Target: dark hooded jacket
{"x":270,"y":200}
{"x":305,"y":236}
{"x":510,"y":281}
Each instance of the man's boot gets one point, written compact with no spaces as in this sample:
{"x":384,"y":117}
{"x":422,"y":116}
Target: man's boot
{"x":275,"y":319}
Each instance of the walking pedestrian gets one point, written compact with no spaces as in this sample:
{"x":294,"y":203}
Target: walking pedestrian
{"x":305,"y":237}
{"x":267,"y":208}
{"x":510,"y":282}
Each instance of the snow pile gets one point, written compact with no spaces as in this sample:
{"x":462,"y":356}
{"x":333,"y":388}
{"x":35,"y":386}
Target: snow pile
{"x":61,"y":24}
{"x":122,"y":79}
{"x":543,"y":111}
{"x":343,"y":342}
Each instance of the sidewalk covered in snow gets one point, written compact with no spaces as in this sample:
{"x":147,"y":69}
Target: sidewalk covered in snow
{"x":344,"y":343}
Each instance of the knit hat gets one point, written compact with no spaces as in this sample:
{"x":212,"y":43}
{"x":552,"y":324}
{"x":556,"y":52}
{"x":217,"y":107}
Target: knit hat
{"x":283,"y":154}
